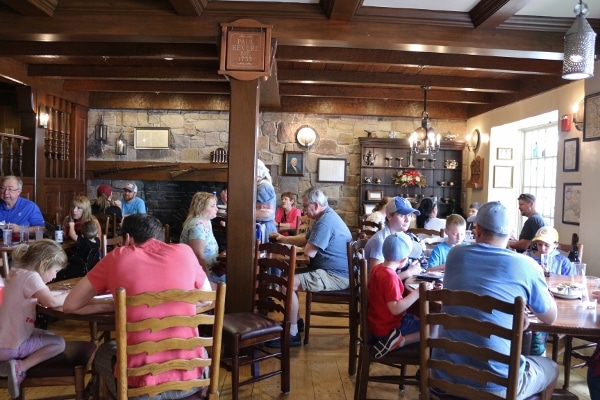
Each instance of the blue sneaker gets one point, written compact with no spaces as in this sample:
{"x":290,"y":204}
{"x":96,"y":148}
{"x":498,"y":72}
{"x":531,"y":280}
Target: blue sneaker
{"x":295,"y":341}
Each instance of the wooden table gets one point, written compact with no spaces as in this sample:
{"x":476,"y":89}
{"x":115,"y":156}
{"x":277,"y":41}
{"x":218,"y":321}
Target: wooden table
{"x":573,"y":316}
{"x":302,"y":260}
{"x":6,"y":250}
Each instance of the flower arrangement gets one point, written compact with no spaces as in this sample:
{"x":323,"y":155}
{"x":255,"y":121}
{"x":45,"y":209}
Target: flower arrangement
{"x":410,"y":177}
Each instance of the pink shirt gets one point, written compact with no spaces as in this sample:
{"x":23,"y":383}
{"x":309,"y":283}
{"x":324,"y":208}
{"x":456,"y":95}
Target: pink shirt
{"x":153,"y":266}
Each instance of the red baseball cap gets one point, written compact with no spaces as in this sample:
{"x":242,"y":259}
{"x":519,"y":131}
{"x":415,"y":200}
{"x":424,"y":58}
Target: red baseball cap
{"x":104,"y":190}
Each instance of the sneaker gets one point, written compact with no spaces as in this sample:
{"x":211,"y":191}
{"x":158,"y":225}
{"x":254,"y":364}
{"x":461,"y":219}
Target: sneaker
{"x":295,"y":341}
{"x":389,"y":343}
{"x":15,"y":377}
{"x":300,"y":325}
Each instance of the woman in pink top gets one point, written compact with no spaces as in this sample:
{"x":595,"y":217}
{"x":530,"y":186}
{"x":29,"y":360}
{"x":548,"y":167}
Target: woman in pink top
{"x":287,"y":215}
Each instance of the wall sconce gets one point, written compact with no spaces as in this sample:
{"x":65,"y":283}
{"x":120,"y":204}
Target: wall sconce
{"x":473,"y":140}
{"x":43,"y":117}
{"x":121,"y":146}
{"x":306,"y":136}
{"x":101,"y":132}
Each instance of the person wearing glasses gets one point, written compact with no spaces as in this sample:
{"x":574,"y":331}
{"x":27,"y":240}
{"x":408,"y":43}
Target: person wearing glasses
{"x":534,"y":222}
{"x":16,"y":210}
{"x":131,"y":204}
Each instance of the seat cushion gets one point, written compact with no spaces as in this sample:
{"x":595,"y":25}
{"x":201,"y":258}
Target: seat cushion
{"x":409,"y":354}
{"x":76,"y":353}
{"x":333,"y":293}
{"x":249,"y":325}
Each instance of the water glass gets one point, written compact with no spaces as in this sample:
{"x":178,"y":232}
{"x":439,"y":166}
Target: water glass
{"x":39,"y":233}
{"x":24,"y":233}
{"x":7,"y":237}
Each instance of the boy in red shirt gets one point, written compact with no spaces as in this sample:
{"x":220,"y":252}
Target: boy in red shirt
{"x":390,"y":327}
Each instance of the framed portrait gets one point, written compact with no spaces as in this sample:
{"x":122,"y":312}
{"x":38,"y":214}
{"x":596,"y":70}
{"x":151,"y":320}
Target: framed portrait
{"x":503,"y":177}
{"x":332,"y":170}
{"x":293,"y":163}
{"x":151,"y":138}
{"x":374,"y":195}
{"x":503,"y":153}
{"x":571,"y":203}
{"x":591,"y":118}
{"x":571,"y":155}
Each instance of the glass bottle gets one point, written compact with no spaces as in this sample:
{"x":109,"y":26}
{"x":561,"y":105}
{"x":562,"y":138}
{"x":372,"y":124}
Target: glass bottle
{"x":58,"y":234}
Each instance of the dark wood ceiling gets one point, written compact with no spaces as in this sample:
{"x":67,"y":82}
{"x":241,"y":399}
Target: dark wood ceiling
{"x":332,"y":57}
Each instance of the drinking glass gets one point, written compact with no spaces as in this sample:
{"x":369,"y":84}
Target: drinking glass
{"x":24,"y":233}
{"x":7,"y":236}
{"x":544,"y":260}
{"x":39,"y":233}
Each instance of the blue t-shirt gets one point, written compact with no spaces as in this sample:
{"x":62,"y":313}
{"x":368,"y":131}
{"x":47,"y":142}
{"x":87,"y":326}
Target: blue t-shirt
{"x":331,"y":235}
{"x":135,"y":206}
{"x":500,"y":273}
{"x":440,"y":253}
{"x":24,"y":212}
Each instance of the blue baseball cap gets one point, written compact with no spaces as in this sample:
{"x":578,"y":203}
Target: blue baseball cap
{"x":401,"y":206}
{"x":397,"y":246}
{"x":493,"y":217}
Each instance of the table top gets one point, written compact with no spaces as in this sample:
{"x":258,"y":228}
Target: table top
{"x":301,"y":258}
{"x":574,"y":318}
{"x":66,"y":245}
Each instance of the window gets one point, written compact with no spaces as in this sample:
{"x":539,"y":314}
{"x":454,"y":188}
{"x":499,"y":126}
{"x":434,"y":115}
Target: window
{"x":540,"y":166}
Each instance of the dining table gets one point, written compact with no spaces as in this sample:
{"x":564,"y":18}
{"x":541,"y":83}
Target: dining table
{"x":67,"y":245}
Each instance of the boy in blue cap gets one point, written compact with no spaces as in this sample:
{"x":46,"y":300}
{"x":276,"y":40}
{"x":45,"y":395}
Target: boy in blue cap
{"x":390,"y":327}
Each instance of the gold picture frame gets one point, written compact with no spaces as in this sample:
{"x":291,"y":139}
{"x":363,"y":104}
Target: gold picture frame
{"x":151,"y":138}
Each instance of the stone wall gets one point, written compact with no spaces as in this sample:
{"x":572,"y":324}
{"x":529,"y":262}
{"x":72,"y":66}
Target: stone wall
{"x":195,"y":134}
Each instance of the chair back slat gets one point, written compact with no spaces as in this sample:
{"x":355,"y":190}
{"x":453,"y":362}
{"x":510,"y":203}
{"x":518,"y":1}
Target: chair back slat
{"x":439,"y":308}
{"x":156,"y":299}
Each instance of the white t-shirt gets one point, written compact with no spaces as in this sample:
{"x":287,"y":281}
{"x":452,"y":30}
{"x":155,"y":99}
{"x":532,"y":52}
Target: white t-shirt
{"x":435,"y":224}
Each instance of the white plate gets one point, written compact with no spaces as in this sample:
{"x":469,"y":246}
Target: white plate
{"x":564,"y":295}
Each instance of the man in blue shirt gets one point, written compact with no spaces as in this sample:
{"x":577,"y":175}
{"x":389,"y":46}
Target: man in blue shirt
{"x":325,"y":243}
{"x":131,"y":204}
{"x":14,"y":209}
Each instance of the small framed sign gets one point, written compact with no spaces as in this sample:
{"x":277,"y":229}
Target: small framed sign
{"x":504,"y":153}
{"x":374,"y":195}
{"x":331,"y":170}
{"x":151,"y":138}
{"x":571,"y":155}
{"x":503,"y":177}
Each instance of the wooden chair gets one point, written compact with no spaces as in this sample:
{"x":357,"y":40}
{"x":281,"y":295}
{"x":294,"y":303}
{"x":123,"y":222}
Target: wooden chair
{"x":397,"y":359}
{"x":110,"y":244}
{"x":431,"y":300}
{"x":66,"y":369}
{"x":167,"y":233}
{"x":355,"y":256}
{"x":429,"y":232}
{"x":158,"y":299}
{"x":104,"y":220}
{"x":244,"y":333}
{"x":303,"y":223}
{"x":368,"y":228}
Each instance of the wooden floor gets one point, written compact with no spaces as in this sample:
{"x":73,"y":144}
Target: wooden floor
{"x":319,"y":371}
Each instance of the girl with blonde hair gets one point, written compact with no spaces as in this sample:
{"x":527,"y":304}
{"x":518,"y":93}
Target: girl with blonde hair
{"x":80,"y":212}
{"x":23,"y":346}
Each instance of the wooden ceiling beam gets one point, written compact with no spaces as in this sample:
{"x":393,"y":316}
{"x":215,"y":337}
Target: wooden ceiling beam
{"x":340,"y":10}
{"x":111,"y":85}
{"x":201,"y":51}
{"x":33,"y":8}
{"x":373,"y":56}
{"x":365,"y":92}
{"x":390,"y":79}
{"x":140,"y":73}
{"x":189,"y":7}
{"x":288,"y":31}
{"x":489,"y":14}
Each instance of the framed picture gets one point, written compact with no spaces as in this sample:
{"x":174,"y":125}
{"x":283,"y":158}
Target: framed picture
{"x":331,"y":170}
{"x":374,"y":195}
{"x":503,"y":153}
{"x":571,"y":203}
{"x":503,"y":177}
{"x":591,"y":118}
{"x":571,"y":155}
{"x":293,"y":163}
{"x":369,"y":208}
{"x":151,"y":138}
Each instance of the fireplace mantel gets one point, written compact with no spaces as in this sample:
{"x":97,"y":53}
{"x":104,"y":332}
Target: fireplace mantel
{"x":156,"y":171}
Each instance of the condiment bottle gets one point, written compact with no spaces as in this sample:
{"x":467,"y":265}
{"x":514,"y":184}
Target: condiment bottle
{"x":58,"y":234}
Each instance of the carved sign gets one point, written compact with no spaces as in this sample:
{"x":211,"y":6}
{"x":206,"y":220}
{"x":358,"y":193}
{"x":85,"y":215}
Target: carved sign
{"x":245,"y":49}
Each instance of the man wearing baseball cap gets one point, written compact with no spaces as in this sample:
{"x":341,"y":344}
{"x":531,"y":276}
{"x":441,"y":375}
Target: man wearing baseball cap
{"x":398,"y":217}
{"x":534,"y":222}
{"x":131,"y":204}
{"x":489,"y":268}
